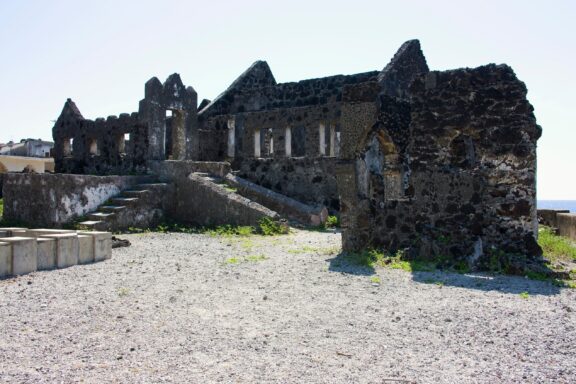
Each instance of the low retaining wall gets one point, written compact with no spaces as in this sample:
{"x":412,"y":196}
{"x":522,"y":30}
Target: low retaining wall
{"x":562,"y":220}
{"x":284,"y":205}
{"x":309,"y":180}
{"x":203,"y":202}
{"x":51,"y":200}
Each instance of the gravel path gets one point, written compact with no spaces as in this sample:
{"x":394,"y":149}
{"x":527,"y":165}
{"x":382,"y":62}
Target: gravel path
{"x":200,"y":309}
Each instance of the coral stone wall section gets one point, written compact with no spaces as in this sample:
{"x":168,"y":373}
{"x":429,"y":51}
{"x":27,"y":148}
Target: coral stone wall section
{"x":308,"y":180}
{"x":46,"y":200}
{"x":454,"y":178}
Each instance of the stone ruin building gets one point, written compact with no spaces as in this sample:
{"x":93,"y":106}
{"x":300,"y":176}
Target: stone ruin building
{"x":434,"y":163}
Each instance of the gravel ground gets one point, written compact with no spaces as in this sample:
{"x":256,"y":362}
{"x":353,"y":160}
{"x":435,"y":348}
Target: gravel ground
{"x":200,"y":309}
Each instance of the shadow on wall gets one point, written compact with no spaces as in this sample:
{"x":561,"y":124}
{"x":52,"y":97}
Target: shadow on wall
{"x":505,"y":284}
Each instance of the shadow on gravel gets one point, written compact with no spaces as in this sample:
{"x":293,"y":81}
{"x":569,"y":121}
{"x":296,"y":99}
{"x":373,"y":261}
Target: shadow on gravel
{"x":487,"y":282}
{"x":516,"y":285}
{"x":344,"y":264}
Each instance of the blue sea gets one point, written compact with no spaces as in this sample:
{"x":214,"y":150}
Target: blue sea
{"x":557,"y":204}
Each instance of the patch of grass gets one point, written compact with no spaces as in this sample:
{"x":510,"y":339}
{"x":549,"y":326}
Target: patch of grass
{"x":1,"y":208}
{"x":269,"y":227}
{"x":555,"y":247}
{"x":332,"y":222}
{"x":256,"y":258}
{"x":375,"y":280}
{"x":373,"y":258}
{"x":250,"y":258}
{"x":304,"y":249}
{"x":524,"y":295}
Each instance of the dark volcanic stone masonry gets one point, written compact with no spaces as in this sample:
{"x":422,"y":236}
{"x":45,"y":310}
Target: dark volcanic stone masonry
{"x":436,"y":164}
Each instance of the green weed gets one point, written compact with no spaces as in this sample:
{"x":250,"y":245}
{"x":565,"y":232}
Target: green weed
{"x":524,"y":295}
{"x":375,"y":280}
{"x":269,"y":227}
{"x":555,"y":247}
{"x":332,"y":222}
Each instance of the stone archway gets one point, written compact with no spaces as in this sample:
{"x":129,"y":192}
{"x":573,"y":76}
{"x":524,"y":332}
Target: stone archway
{"x":377,"y":166}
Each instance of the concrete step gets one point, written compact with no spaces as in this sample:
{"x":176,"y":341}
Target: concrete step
{"x":94,"y":225}
{"x":135,"y":193}
{"x":151,"y":185}
{"x":124,"y":200}
{"x":101,"y":215}
{"x":111,"y":208}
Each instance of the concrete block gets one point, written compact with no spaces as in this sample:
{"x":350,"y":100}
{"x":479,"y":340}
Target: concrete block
{"x":85,"y":249}
{"x":41,"y":232}
{"x":5,"y":259}
{"x":24,"y":254}
{"x":102,"y":244}
{"x":67,"y":248}
{"x":46,"y":254}
{"x":14,"y":231}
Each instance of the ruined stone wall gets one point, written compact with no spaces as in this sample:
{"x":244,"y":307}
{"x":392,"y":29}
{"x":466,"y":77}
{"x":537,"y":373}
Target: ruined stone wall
{"x":308,"y":180}
{"x":313,"y":92}
{"x":456,"y":181}
{"x":116,"y":145}
{"x":164,"y":128}
{"x":51,"y":200}
{"x":204,"y":203}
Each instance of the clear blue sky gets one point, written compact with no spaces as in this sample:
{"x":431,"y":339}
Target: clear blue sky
{"x":100,"y":53}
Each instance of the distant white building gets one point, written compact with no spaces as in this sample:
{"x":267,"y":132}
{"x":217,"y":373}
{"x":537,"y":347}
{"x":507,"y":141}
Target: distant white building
{"x":27,"y":148}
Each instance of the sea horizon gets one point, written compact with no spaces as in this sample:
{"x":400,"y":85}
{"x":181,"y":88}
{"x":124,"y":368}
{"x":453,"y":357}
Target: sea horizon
{"x":557,"y":204}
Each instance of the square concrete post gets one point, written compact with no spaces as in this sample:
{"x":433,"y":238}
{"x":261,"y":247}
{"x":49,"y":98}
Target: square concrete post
{"x":24,"y":254}
{"x":86,"y":249}
{"x":66,"y":249}
{"x":46,"y":254}
{"x":102,"y":244}
{"x":5,"y":259}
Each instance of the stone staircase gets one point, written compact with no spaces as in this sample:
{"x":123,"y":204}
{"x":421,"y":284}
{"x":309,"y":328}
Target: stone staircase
{"x":281,"y":204}
{"x":141,"y":206}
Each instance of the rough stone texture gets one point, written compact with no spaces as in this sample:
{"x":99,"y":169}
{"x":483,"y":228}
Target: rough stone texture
{"x":437,"y":164}
{"x":285,"y":206}
{"x":145,"y":207}
{"x":203,"y":202}
{"x":122,"y":145}
{"x":451,"y":174}
{"x":308,"y":180}
{"x":406,"y":64}
{"x":53,"y":200}
{"x":170,"y":171}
